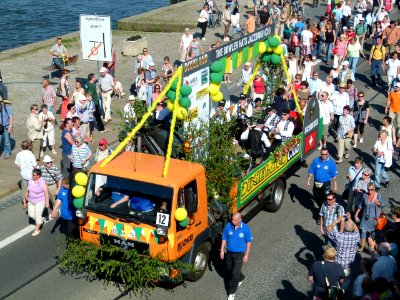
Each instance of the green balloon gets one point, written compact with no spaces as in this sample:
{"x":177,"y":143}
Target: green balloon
{"x":275,"y":59}
{"x":78,"y":202}
{"x":171,"y":95}
{"x":185,"y":102}
{"x":174,"y":84}
{"x":273,"y":41}
{"x":266,"y":57}
{"x":216,"y":77}
{"x":184,"y":223}
{"x":185,"y":90}
{"x":216,"y":67}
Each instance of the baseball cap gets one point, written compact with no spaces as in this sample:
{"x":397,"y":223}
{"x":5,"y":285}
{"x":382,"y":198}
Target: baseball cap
{"x":103,"y":70}
{"x":103,"y":141}
{"x":242,"y":97}
{"x":221,"y":103}
{"x":151,"y":64}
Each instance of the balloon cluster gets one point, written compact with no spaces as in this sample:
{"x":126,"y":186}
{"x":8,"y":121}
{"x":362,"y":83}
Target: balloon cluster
{"x":271,"y":50}
{"x":183,"y":99}
{"x":217,"y":69}
{"x":78,"y":191}
{"x":181,"y":216}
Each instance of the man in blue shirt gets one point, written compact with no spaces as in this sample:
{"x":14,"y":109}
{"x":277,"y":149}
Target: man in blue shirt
{"x":237,"y":239}
{"x":324,"y":171}
{"x":66,"y":210}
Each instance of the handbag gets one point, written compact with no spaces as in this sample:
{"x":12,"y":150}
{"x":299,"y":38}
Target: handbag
{"x":59,"y":91}
{"x":346,"y":192}
{"x":380,"y":222}
{"x":334,"y":50}
{"x":199,"y":24}
{"x":333,"y":292}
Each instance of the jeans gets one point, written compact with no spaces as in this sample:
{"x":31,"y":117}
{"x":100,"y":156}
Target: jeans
{"x":380,"y":171}
{"x":3,"y":91}
{"x":59,"y":63}
{"x":376,"y":67}
{"x":329,"y":47}
{"x":5,"y":137}
{"x":234,"y":263}
{"x":149,"y":96}
{"x":353,"y":65}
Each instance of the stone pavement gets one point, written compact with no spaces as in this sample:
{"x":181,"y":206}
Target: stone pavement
{"x":23,"y":71}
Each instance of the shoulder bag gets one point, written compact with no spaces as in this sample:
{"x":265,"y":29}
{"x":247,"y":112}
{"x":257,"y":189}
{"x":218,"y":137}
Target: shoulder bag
{"x":381,"y":221}
{"x":346,"y":192}
{"x":334,"y":292}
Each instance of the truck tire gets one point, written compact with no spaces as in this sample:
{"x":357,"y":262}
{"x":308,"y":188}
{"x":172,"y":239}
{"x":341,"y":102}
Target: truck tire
{"x":200,"y":261}
{"x":275,"y":200}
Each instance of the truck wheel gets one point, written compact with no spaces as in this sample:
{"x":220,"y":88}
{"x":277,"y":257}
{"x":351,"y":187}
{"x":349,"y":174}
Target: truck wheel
{"x":200,"y":262}
{"x":275,"y":200}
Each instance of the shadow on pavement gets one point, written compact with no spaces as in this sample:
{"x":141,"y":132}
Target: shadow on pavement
{"x":312,"y":242}
{"x":289,"y":292}
{"x":304,"y":197}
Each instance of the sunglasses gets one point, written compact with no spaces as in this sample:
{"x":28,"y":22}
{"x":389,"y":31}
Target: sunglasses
{"x":365,"y":174}
{"x":324,"y":154}
{"x":329,"y":199}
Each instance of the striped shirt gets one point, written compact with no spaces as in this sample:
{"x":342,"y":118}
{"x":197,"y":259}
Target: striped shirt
{"x":80,"y":154}
{"x":50,"y":175}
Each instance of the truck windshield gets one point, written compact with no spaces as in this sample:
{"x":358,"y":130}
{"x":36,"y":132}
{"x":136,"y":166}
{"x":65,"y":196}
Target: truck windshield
{"x":128,"y":199}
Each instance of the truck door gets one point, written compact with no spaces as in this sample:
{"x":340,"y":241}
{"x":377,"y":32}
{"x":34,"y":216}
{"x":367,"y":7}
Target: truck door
{"x":186,"y":234}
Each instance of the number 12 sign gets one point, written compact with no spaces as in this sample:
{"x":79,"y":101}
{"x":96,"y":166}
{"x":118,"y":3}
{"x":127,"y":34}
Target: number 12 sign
{"x":96,"y":37}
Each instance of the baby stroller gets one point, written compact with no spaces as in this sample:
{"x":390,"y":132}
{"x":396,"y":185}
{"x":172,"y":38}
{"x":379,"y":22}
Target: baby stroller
{"x":215,"y":18}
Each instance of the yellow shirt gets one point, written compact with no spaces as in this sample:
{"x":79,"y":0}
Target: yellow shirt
{"x":379,"y":53}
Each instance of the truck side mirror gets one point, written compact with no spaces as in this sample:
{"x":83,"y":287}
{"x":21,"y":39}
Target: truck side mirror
{"x":190,"y":201}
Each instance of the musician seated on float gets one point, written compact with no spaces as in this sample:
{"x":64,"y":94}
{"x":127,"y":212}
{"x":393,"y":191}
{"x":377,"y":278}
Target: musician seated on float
{"x":271,"y":120}
{"x":243,"y":110}
{"x":257,"y":141}
{"x":221,"y":113}
{"x":284,"y":128}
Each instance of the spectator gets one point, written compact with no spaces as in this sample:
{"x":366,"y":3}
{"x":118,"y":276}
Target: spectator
{"x":362,"y":187}
{"x":324,"y":171}
{"x":146,"y":58}
{"x":82,"y":109}
{"x":389,"y":128}
{"x":307,"y":42}
{"x":71,"y":111}
{"x":25,"y":162}
{"x":129,"y":111}
{"x":203,"y":20}
{"x":65,"y":205}
{"x":35,"y":131}
{"x":330,"y":39}
{"x":76,"y":127}
{"x":377,"y":61}
{"x":59,"y":54}
{"x":341,"y":50}
{"x":366,"y":269}
{"x":361,"y":31}
{"x":167,"y":70}
{"x":345,"y":74}
{"x":258,"y":86}
{"x":3,"y":92}
{"x":150,"y":77}
{"x":110,"y":65}
{"x":383,"y":150}
{"x":52,"y":175}
{"x":226,"y":20}
{"x":393,"y":106}
{"x":354,"y":174}
{"x":345,"y":133}
{"x":235,"y":20}
{"x":36,"y":199}
{"x":78,"y":91}
{"x":385,"y":265}
{"x":325,"y":269}
{"x":339,"y":99}
{"x":90,"y":88}
{"x":48,"y":119}
{"x":361,"y":115}
{"x":7,"y":124}
{"x":353,"y":51}
{"x":352,"y":91}
{"x":331,"y":212}
{"x":245,"y":75}
{"x":392,"y":35}
{"x":326,"y":112}
{"x":237,"y":239}
{"x":250,"y":23}
{"x":264,"y":17}
{"x":106,"y":86}
{"x":81,"y":155}
{"x":371,"y":203}
{"x":49,"y":96}
{"x":326,"y":86}
{"x":92,"y":111}
{"x":67,"y":141}
{"x":346,"y":243}
{"x":314,"y":82}
{"x":64,"y":88}
{"x":187,"y":37}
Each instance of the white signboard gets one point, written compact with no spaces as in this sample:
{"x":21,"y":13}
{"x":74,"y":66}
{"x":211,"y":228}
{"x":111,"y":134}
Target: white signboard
{"x":199,"y":97}
{"x":96,"y":39}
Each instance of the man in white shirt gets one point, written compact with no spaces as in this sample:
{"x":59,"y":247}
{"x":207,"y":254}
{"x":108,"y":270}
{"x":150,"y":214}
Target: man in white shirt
{"x":221,"y":113}
{"x":339,"y":100}
{"x":257,"y":140}
{"x":314,"y":83}
{"x":346,"y":9}
{"x":272,"y":119}
{"x":243,"y":110}
{"x":326,"y":86}
{"x":307,"y":41}
{"x":326,"y":112}
{"x":285,"y":127}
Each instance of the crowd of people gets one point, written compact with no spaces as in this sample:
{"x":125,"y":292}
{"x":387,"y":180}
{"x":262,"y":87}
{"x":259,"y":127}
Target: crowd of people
{"x":339,"y":38}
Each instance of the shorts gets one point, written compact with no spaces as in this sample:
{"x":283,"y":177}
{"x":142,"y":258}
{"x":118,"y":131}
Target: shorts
{"x":305,"y":50}
{"x":325,"y":129}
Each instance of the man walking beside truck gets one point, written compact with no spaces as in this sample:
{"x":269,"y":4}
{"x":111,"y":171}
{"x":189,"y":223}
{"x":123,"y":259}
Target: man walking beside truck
{"x":237,"y":239}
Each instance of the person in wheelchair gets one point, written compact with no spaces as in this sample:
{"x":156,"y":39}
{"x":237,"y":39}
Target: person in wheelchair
{"x":258,"y":143}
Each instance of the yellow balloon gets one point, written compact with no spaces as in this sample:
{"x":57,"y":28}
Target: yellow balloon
{"x":269,"y":49}
{"x":218,"y":97}
{"x":278,"y":37}
{"x":278,"y":50}
{"x":170,"y":105}
{"x":214,"y":89}
{"x":180,"y":214}
{"x":78,"y":191}
{"x":262,"y":47}
{"x":81,"y":178}
{"x":181,"y":113}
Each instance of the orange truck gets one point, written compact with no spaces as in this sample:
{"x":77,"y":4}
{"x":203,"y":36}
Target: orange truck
{"x":145,"y":218}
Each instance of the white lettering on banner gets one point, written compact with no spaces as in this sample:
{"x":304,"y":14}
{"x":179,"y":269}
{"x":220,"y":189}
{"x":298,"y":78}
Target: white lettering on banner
{"x":293,"y":152}
{"x":311,"y":126}
{"x":242,"y":42}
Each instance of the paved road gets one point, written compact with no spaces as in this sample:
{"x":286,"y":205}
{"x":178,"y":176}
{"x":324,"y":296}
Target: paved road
{"x":285,"y":243}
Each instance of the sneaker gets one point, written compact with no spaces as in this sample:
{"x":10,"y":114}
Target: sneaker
{"x":35,"y":233}
{"x":339,"y":161}
{"x":361,"y":140}
{"x":231,"y":297}
{"x":41,"y":153}
{"x":7,"y":156}
{"x":54,"y":151}
{"x":355,"y":146}
{"x":386,"y":184}
{"x":6,"y":101}
{"x":204,"y":39}
{"x":319,"y":147}
{"x":240,"y":282}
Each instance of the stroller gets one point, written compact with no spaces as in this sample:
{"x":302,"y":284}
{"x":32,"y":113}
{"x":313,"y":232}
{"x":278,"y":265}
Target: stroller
{"x":215,"y":18}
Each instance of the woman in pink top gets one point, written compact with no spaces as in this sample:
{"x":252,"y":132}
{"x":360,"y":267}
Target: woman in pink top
{"x":36,"y":199}
{"x":258,"y":87}
{"x":341,"y":51}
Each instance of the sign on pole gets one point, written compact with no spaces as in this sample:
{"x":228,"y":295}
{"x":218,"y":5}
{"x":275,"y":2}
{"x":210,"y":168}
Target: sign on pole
{"x":96,"y":39}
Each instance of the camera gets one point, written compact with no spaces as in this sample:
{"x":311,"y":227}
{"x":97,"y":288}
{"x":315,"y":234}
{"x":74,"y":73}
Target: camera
{"x":45,"y":123}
